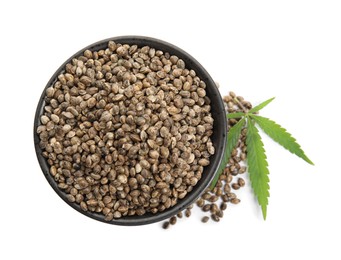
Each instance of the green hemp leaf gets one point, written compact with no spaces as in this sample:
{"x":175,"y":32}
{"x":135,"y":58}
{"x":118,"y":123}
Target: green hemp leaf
{"x":281,"y":136}
{"x":257,"y":166}
{"x":256,"y":158}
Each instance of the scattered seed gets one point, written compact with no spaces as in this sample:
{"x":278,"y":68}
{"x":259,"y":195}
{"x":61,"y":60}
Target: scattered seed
{"x":205,"y":219}
{"x":215,"y":218}
{"x":220,"y":213}
{"x":187,"y":213}
{"x":235,"y":201}
{"x":172,"y":220}
{"x":165,"y":225}
{"x":235,"y":186}
{"x":200,"y":202}
{"x":241,"y":182}
{"x":223,"y":206}
{"x":206,"y":208}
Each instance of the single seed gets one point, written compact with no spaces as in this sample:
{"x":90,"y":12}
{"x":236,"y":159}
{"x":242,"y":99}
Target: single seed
{"x":227,"y":188}
{"x":213,"y":198}
{"x":214,"y":208}
{"x":55,"y":118}
{"x":44,"y":119}
{"x":215,"y":218}
{"x":172,"y":220}
{"x":205,"y":219}
{"x":220,"y":213}
{"x":206,"y":207}
{"x":242,"y":169}
{"x":200,"y":202}
{"x":225,"y":198}
{"x":165,"y":225}
{"x":235,"y":186}
{"x":50,"y":92}
{"x":223,"y":206}
{"x":235,"y":201}
{"x":241,"y":182}
{"x":121,"y":51}
{"x":206,"y":196}
{"x":71,"y":198}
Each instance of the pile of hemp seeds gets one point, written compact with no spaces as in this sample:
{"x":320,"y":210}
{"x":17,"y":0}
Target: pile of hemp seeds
{"x":126,"y":130}
{"x":213,"y":203}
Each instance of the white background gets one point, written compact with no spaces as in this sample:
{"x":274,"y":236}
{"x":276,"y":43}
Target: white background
{"x":259,"y":49}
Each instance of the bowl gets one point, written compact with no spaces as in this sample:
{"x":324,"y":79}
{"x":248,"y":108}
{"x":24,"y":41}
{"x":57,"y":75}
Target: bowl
{"x":218,"y":137}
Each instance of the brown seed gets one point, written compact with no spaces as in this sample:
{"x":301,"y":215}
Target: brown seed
{"x":122,"y":178}
{"x":109,"y":216}
{"x":71,"y":198}
{"x":50,"y":92}
{"x":172,"y":220}
{"x":205,"y":219}
{"x":63,"y":186}
{"x":206,"y":207}
{"x":223,"y":206}
{"x":201,"y":92}
{"x":206,"y":196}
{"x":231,"y":195}
{"x":187,"y":213}
{"x":112,"y":45}
{"x":243,"y":156}
{"x":117,"y":214}
{"x":200,"y":202}
{"x":83,"y":206}
{"x":215,"y":218}
{"x":154,"y":154}
{"x":164,"y":152}
{"x":133,"y":151}
{"x":50,"y":126}
{"x":242,"y":169}
{"x":227,"y":188}
{"x":225,"y":198}
{"x":92,"y":202}
{"x":91,"y":102}
{"x":165,"y":225}
{"x":241,"y":182}
{"x":213,"y":198}
{"x":55,"y":118}
{"x":220,"y":213}
{"x":214,"y":208}
{"x":79,"y":198}
{"x":44,"y":119}
{"x":235,"y":201}
{"x":204,"y":162}
{"x":88,"y":54}
{"x":179,"y":215}
{"x":235,"y":186}
{"x":121,"y":51}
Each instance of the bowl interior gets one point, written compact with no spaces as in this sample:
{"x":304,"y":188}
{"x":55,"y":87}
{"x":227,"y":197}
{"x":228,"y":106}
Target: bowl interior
{"x":218,"y":138}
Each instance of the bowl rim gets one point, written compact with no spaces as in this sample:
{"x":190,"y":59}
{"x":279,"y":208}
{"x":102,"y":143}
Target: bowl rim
{"x":191,"y":63}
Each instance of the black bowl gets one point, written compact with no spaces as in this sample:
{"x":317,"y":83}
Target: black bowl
{"x":218,"y":137}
